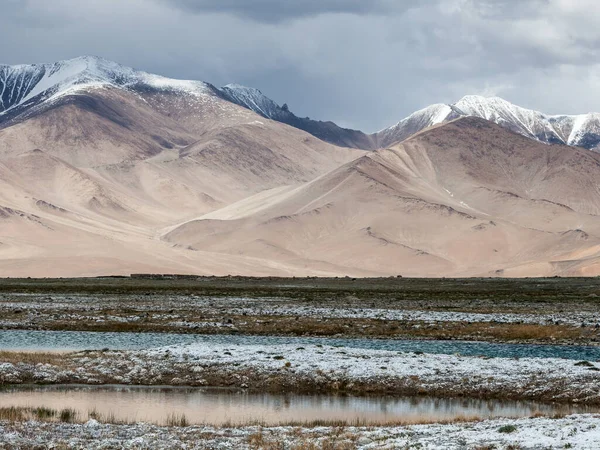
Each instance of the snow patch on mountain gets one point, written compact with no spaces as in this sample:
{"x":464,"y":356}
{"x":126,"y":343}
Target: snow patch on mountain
{"x":254,"y":100}
{"x":582,"y":127}
{"x":432,"y":115}
{"x":419,"y":120}
{"x":440,"y":113}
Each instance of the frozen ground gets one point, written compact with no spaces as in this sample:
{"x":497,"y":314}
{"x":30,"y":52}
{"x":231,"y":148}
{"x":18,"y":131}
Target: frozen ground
{"x":315,"y":368}
{"x":578,"y":431}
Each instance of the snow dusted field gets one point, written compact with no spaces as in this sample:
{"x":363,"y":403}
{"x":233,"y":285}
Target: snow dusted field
{"x":543,"y":311}
{"x":317,"y":368}
{"x":320,"y":369}
{"x":91,"y":308}
{"x":419,"y":315}
{"x":448,"y":374}
{"x":577,"y":431}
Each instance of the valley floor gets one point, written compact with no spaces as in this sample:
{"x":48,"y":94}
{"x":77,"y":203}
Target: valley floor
{"x":558,"y":311}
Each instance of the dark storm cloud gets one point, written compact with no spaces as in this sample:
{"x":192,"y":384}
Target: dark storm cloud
{"x":280,"y":10}
{"x":362,"y":63}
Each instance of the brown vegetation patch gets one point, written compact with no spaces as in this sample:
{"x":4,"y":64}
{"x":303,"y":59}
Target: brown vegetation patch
{"x":55,"y":359}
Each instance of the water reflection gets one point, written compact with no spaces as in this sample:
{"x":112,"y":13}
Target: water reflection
{"x":218,"y":407}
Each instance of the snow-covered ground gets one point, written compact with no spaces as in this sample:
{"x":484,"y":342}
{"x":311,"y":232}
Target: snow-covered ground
{"x":321,"y":369}
{"x":578,"y":431}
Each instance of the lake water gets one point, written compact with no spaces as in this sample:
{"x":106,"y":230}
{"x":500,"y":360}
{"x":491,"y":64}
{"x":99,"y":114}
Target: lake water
{"x":220,"y":407}
{"x":25,"y":340}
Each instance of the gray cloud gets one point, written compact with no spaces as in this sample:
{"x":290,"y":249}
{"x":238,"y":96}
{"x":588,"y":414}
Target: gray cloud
{"x":274,"y":11}
{"x":362,"y":64}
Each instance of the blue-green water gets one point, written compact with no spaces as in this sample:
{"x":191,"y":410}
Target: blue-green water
{"x":85,"y":340}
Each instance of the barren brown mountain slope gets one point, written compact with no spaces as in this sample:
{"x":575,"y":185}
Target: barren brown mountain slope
{"x":104,"y":180}
{"x":465,"y":198}
{"x":88,"y":181}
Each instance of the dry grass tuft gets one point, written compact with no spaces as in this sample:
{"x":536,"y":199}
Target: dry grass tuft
{"x":21,"y":414}
{"x":68,"y":415}
{"x":12,"y":414}
{"x":44,"y":414}
{"x":177,"y":420}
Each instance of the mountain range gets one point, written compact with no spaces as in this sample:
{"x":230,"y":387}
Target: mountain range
{"x":109,"y":170}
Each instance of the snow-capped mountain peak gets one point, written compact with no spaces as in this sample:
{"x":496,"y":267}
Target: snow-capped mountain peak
{"x":27,"y":89}
{"x":528,"y":122}
{"x":19,"y":84}
{"x":22,"y":83}
{"x":489,"y":107}
{"x":582,"y":130}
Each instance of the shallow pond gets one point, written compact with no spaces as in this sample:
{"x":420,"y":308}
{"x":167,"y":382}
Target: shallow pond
{"x":221,"y":407}
{"x":85,"y":340}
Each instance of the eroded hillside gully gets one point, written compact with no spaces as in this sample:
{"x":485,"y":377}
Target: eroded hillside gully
{"x":273,"y":363}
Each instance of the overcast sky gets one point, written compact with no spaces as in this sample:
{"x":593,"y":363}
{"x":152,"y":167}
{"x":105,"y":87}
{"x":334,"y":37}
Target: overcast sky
{"x":362,"y":63}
